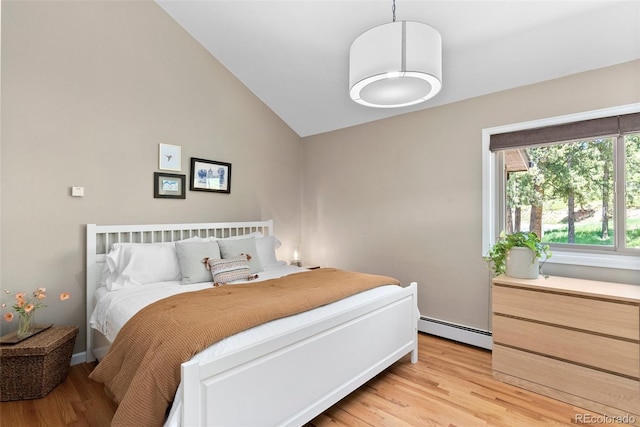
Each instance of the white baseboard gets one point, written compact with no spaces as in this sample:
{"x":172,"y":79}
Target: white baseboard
{"x":78,"y":358}
{"x":456,"y":332}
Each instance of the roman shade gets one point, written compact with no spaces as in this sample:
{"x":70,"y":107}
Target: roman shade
{"x":604,"y":126}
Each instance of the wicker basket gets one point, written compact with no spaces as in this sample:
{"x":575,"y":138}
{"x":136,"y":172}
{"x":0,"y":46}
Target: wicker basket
{"x":35,"y":366}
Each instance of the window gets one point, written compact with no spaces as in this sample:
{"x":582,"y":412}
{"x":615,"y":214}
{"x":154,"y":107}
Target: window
{"x":575,"y":181}
{"x":632,"y":191}
{"x":565,"y":192}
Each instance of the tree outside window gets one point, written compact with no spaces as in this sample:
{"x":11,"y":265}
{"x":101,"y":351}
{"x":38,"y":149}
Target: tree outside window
{"x":565,"y":192}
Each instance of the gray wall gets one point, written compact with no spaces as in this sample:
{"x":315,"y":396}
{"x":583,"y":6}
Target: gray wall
{"x":403,"y":196}
{"x":89,"y":90}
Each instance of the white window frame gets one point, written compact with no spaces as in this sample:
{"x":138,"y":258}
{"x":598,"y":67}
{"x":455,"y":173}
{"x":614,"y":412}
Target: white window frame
{"x":491,"y":194}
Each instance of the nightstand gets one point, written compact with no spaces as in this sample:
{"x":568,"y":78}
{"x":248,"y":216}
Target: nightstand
{"x":35,"y":366}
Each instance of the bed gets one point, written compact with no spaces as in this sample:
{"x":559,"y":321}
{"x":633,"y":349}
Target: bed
{"x":281,"y":376}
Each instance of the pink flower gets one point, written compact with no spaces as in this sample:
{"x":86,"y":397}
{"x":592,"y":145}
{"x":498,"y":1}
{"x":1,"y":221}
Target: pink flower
{"x":27,"y":305}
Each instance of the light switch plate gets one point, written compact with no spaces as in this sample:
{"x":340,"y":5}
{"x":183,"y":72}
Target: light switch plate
{"x":77,"y":191}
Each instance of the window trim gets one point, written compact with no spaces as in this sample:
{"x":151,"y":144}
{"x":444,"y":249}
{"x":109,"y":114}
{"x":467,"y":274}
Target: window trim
{"x":491,"y":194}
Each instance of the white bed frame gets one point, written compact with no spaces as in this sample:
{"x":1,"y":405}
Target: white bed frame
{"x":284,"y":381}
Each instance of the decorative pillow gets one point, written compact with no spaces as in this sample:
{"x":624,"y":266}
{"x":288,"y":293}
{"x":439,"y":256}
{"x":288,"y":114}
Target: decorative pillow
{"x":266,"y":247}
{"x":228,"y":270}
{"x":233,"y":248}
{"x":140,"y":264}
{"x":190,"y":255}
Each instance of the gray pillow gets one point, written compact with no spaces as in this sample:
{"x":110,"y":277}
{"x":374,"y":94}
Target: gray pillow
{"x":190,"y":256}
{"x":233,"y":248}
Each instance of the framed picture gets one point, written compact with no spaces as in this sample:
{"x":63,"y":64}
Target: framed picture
{"x":209,"y":175}
{"x":170,"y":157}
{"x":168,"y":186}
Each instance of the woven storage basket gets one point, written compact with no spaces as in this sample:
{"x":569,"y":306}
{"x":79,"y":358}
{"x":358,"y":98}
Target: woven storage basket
{"x":35,"y":366}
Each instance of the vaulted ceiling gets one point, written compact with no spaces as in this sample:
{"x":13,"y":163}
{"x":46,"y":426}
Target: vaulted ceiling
{"x":294,"y":55}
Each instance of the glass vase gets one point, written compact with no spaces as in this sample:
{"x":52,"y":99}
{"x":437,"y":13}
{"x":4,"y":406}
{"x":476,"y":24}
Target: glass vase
{"x":26,"y":324}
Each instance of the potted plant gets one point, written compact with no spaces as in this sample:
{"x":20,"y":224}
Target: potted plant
{"x":518,"y":255}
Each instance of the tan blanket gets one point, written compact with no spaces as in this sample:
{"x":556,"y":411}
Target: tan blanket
{"x":142,"y":369}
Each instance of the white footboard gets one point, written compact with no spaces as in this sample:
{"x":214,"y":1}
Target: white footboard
{"x":291,"y":379}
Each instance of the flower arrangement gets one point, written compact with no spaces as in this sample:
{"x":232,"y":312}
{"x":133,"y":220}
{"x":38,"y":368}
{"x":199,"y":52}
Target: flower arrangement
{"x":26,"y":308}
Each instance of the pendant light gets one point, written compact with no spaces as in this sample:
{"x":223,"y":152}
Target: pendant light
{"x":396,"y":64}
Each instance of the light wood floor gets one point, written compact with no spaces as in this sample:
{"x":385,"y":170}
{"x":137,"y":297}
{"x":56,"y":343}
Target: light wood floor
{"x":451,"y":385}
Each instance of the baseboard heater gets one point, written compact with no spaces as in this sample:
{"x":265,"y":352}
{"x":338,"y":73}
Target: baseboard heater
{"x":453,"y":331}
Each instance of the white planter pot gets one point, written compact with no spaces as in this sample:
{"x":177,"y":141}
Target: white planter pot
{"x":522,"y":263}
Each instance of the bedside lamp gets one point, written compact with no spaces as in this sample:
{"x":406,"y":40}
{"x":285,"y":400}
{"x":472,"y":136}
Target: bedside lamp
{"x":295,"y":260}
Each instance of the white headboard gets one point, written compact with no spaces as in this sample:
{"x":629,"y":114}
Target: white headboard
{"x":100,"y":238}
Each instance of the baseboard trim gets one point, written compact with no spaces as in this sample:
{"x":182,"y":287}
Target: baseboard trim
{"x":78,"y":358}
{"x":456,"y":332}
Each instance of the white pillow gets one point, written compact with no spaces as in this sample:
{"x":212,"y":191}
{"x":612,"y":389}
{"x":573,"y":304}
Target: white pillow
{"x":140,"y":264}
{"x":106,"y":272}
{"x":254,"y":234}
{"x":266,"y":247}
{"x":236,"y":247}
{"x":189,"y":239}
{"x":190,"y":258}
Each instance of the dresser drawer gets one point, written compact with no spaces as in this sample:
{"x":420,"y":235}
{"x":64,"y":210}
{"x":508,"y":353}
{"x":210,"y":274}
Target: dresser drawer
{"x":612,"y":390}
{"x":601,"y":352}
{"x":600,"y":316}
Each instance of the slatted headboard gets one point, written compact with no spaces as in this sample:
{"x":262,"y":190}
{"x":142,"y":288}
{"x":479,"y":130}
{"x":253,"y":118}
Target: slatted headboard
{"x":100,"y":239}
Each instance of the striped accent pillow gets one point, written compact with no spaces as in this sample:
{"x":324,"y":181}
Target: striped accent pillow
{"x":228,"y":270}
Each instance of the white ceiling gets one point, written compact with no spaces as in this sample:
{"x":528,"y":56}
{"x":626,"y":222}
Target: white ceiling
{"x":294,"y":55}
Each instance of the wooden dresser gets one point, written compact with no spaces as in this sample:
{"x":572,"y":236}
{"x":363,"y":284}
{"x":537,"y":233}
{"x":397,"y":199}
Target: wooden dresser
{"x":574,"y":340}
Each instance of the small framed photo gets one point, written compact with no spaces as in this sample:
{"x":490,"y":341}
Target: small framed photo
{"x":168,"y":186}
{"x":170,"y":157}
{"x":209,"y":175}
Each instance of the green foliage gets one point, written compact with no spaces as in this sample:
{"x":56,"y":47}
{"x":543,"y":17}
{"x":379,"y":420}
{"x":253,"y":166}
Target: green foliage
{"x":633,"y":238}
{"x":496,"y":258}
{"x":632,"y":149}
{"x":589,"y":234}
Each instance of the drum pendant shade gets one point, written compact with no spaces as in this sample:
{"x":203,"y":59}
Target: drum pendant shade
{"x":396,"y":65}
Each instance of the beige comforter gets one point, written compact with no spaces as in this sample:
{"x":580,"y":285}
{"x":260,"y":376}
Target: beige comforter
{"x":142,"y":369}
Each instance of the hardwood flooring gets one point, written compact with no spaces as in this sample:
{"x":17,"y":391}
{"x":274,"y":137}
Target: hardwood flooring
{"x":78,"y":401}
{"x":451,"y":385}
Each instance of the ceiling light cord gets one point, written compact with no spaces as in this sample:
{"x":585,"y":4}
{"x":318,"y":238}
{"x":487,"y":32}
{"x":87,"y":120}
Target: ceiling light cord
{"x":393,"y":9}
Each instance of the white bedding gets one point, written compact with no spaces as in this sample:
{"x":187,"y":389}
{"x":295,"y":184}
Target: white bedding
{"x":113,"y":309}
